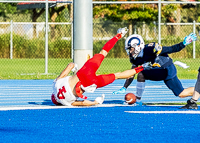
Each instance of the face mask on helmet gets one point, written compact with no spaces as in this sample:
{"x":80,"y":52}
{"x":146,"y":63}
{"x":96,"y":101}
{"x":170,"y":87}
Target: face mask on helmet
{"x":134,"y":41}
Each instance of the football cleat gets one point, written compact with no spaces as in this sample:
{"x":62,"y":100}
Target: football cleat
{"x":121,"y":32}
{"x":190,"y":105}
{"x":120,"y":91}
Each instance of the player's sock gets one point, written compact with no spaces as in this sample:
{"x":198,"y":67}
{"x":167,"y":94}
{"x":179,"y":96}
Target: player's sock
{"x":140,"y":89}
{"x":193,"y":101}
{"x":110,"y":44}
{"x":118,"y":36}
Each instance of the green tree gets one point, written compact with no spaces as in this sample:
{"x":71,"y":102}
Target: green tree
{"x":133,"y":13}
{"x":7,"y":8}
{"x":54,"y":12}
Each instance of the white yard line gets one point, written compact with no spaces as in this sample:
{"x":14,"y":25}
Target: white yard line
{"x":164,"y":112}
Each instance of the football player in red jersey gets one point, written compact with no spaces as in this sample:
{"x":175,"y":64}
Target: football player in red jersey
{"x":67,"y":89}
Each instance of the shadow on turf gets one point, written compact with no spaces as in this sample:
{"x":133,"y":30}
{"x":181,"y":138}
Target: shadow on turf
{"x":45,"y":102}
{"x":158,"y":105}
{"x":49,"y":102}
{"x":113,"y":102}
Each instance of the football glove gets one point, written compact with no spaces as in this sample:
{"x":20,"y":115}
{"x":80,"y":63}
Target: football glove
{"x":158,"y":48}
{"x":122,"y":31}
{"x":120,"y":91}
{"x":147,"y":66}
{"x":100,"y":99}
{"x":188,"y":39}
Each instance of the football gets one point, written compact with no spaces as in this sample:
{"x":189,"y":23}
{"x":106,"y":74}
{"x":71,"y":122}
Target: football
{"x":130,"y":98}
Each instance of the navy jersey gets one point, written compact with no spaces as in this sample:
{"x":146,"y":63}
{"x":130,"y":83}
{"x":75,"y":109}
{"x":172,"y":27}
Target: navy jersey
{"x":148,"y":55}
{"x":166,"y":70}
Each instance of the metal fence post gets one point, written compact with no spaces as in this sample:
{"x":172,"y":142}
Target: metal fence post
{"x":159,"y":22}
{"x":46,"y":40}
{"x":72,"y":42}
{"x":82,"y":31}
{"x":11,"y":39}
{"x":194,"y":41}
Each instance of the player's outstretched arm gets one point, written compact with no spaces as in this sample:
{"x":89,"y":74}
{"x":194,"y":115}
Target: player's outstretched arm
{"x":98,"y":100}
{"x":129,"y":73}
{"x":178,"y":47}
{"x":84,"y":103}
{"x":70,"y":67}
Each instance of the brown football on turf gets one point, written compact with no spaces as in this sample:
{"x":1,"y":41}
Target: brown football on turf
{"x":130,"y":98}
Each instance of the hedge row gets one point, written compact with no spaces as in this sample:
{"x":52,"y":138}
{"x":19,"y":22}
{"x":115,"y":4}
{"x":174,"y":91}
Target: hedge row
{"x":35,"y":48}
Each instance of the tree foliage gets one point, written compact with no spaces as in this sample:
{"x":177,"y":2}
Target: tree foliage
{"x":134,"y":12}
{"x":119,"y":12}
{"x":7,"y":8}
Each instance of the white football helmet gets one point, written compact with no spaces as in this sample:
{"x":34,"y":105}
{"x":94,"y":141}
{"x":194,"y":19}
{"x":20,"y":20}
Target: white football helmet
{"x":134,"y":41}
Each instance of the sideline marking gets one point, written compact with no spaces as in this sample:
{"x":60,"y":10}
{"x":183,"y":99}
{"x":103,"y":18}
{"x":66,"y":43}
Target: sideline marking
{"x":33,"y":108}
{"x":40,"y":107}
{"x":164,"y":112}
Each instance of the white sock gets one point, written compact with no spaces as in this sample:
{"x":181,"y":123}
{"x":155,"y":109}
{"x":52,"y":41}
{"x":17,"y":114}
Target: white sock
{"x":140,"y":88}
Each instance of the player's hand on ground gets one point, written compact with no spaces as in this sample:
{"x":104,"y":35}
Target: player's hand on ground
{"x":100,"y":100}
{"x":188,"y":39}
{"x":120,"y":91}
{"x":75,"y":69}
{"x":157,"y":49}
{"x":147,"y":66}
{"x":122,"y":31}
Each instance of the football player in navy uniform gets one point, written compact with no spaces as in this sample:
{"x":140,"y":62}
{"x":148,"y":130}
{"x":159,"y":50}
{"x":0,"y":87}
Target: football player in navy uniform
{"x":164,"y":69}
{"x":191,"y":103}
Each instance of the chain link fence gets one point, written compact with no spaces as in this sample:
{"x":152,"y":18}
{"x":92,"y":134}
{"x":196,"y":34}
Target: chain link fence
{"x":22,"y":46}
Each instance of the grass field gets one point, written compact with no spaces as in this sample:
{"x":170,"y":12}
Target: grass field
{"x":35,"y":68}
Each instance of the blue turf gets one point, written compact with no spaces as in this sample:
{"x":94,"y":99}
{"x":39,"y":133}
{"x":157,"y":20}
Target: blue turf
{"x":102,"y":124}
{"x":36,"y":92}
{"x":94,"y":124}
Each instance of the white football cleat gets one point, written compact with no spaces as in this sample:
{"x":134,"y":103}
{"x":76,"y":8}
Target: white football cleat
{"x":100,"y":99}
{"x":122,"y":31}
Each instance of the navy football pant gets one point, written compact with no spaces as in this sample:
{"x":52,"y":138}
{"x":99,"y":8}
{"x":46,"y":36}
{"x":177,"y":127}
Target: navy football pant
{"x":197,"y":85}
{"x":159,"y":74}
